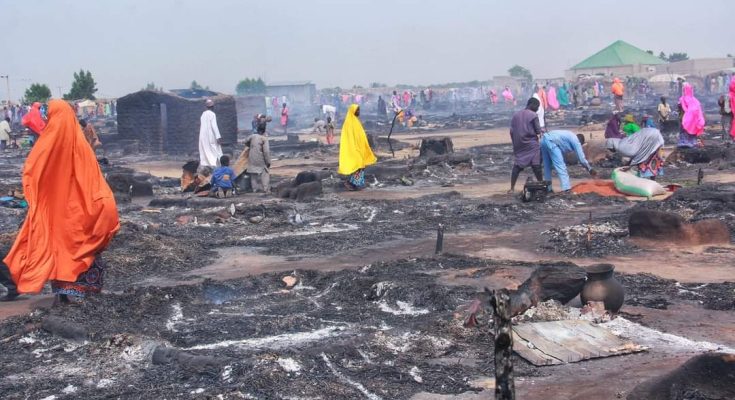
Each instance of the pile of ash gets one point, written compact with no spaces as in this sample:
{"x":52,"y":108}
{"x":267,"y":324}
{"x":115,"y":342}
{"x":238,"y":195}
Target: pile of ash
{"x":590,"y":239}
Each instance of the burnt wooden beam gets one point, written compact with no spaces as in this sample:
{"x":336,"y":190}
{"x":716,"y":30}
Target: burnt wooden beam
{"x":439,"y":239}
{"x":504,"y":386}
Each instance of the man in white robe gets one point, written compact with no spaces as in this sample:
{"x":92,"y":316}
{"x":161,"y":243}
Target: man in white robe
{"x":210,"y":150}
{"x":540,"y":113}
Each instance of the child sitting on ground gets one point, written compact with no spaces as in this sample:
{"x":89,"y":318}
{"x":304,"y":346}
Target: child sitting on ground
{"x":222,"y":179}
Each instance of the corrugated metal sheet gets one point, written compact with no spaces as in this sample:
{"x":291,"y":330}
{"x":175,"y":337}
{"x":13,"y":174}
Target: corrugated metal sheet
{"x":561,"y":342}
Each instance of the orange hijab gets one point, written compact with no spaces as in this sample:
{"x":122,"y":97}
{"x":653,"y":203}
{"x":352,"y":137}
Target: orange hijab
{"x":72,"y":214}
{"x":542,"y":98}
{"x":617,"y":87}
{"x":33,"y":120}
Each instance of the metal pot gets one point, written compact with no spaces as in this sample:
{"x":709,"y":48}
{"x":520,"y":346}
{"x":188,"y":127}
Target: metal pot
{"x":602,"y":286}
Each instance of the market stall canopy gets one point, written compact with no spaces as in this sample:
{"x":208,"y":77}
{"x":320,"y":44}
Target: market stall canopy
{"x":87,"y":103}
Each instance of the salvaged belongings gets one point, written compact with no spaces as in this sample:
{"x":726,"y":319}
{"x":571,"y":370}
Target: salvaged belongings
{"x":632,"y":185}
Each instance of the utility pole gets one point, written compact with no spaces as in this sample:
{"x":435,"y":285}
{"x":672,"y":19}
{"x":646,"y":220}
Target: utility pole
{"x":7,"y":85}
{"x":24,"y":84}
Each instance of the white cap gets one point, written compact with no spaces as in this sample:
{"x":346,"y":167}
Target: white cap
{"x":209,"y":103}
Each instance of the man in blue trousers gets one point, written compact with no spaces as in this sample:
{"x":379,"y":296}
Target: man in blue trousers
{"x":553,"y":146}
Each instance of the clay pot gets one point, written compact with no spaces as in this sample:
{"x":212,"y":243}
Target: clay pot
{"x":602,"y":286}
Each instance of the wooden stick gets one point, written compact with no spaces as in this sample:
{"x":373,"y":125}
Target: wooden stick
{"x":439,"y":239}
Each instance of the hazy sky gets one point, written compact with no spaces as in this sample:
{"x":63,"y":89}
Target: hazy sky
{"x":127,"y":43}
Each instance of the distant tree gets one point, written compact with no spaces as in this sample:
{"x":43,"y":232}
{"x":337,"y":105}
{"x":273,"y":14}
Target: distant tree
{"x":662,"y":56}
{"x":37,"y":92}
{"x":250,"y":86}
{"x":357,"y":87}
{"x":517,"y":71}
{"x":376,"y":85}
{"x":729,"y":55}
{"x":195,"y":86}
{"x":674,"y":57}
{"x":150,"y":86}
{"x":649,"y":52}
{"x":83,"y":87}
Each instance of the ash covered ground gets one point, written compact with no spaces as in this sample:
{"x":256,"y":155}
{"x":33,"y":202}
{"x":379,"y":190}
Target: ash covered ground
{"x":383,"y":325}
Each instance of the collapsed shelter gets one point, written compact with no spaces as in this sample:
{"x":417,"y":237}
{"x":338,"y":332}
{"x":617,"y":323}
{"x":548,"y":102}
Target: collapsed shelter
{"x":169,"y":122}
{"x":300,"y":93}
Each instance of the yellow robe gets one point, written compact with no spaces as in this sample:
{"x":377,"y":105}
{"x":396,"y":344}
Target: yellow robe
{"x":354,"y":150}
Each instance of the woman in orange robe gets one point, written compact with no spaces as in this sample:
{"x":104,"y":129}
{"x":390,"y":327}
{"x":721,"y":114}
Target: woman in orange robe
{"x":72,"y":215}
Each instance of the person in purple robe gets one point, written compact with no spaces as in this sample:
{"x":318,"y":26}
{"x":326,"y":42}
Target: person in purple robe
{"x":612,"y":130}
{"x":525,"y":131}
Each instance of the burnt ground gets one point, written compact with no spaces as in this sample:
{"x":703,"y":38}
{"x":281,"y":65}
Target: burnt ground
{"x":390,"y":326}
{"x":338,"y":320}
{"x":374,"y":315}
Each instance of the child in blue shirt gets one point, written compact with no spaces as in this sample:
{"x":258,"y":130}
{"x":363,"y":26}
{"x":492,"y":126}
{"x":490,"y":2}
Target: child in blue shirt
{"x":222,"y":179}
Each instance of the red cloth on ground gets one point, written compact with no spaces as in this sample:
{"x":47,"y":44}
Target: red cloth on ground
{"x":603,"y":187}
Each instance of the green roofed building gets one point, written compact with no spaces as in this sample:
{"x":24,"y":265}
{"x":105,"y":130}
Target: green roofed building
{"x":618,"y":59}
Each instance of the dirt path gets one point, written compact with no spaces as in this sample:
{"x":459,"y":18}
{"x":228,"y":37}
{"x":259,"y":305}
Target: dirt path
{"x":24,"y":305}
{"x":685,"y":265}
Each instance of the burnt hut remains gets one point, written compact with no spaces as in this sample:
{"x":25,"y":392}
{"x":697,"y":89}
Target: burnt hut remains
{"x":168,"y":123}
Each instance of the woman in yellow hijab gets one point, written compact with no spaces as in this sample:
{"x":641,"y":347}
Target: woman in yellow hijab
{"x":354,"y":151}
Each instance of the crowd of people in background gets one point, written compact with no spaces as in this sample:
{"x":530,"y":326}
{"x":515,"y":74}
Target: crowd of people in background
{"x":405,"y":107}
{"x":15,"y":114}
{"x":638,"y":139}
{"x":18,"y":117}
{"x":553,"y":95}
{"x":719,"y":83}
{"x":92,"y":110}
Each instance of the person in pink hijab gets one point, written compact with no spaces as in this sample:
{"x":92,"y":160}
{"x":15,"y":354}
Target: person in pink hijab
{"x":508,"y":95}
{"x":284,"y":118}
{"x":692,"y":118}
{"x":406,"y":99}
{"x":551,"y":98}
{"x":493,"y":96}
